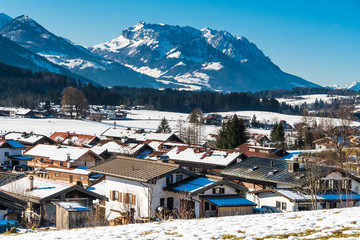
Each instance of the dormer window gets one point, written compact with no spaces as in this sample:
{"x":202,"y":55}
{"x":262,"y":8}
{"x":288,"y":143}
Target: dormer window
{"x":169,"y":180}
{"x":253,"y":168}
{"x":218,"y":190}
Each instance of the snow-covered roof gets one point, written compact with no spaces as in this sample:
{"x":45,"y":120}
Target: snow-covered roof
{"x":28,"y":138}
{"x":72,"y":206}
{"x":100,"y":187}
{"x":42,"y":187}
{"x":75,"y":139}
{"x":136,"y":134}
{"x":294,"y":195}
{"x":118,"y":147}
{"x":78,"y":170}
{"x":58,"y":153}
{"x":198,"y":155}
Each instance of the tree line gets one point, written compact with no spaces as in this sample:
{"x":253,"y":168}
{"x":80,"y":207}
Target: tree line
{"x":24,"y":88}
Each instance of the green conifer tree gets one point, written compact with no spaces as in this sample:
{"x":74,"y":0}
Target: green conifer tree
{"x":164,"y":126}
{"x":232,"y":134}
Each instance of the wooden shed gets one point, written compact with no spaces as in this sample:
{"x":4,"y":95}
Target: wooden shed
{"x":71,"y":215}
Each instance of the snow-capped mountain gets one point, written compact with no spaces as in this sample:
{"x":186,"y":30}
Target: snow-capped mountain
{"x":15,"y":55}
{"x":4,"y":19}
{"x":352,"y":86}
{"x":188,"y":58}
{"x":32,"y":36}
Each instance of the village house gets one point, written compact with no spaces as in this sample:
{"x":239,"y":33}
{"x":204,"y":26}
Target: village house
{"x":40,"y":193}
{"x":122,"y":147}
{"x":208,"y":197}
{"x":326,"y":143}
{"x":261,"y":151}
{"x":200,"y":159}
{"x":283,"y":184}
{"x":28,"y":139}
{"x":10,"y":207}
{"x":11,"y":153}
{"x":135,"y":186}
{"x":62,"y":156}
{"x":74,"y":139}
{"x":138,"y":136}
{"x":71,"y":175}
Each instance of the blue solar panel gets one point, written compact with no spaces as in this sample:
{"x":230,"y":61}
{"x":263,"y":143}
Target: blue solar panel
{"x":233,"y":201}
{"x":343,"y":197}
{"x":15,"y":144}
{"x":194,"y":184}
{"x":22,"y":157}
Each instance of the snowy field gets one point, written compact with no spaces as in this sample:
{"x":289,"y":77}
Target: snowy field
{"x":322,"y":224}
{"x":136,"y":119}
{"x":310,"y":99}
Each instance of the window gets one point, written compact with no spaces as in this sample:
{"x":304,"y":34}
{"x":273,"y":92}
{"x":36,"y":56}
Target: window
{"x":179,"y":178}
{"x":115,"y":196}
{"x":207,"y":206}
{"x":197,"y":170}
{"x":61,"y":164}
{"x":6,"y":154}
{"x":129,"y":198}
{"x":41,"y":160}
{"x":169,"y":179}
{"x":162,"y":202}
{"x":283,"y":206}
{"x":81,"y":178}
{"x":278,"y":204}
{"x":218,"y":190}
{"x":56,"y":174}
{"x":213,"y":207}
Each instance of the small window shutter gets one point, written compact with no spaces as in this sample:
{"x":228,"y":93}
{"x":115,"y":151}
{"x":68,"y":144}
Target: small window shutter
{"x":120,"y":197}
{"x":126,"y":199}
{"x":112,"y":195}
{"x":133,"y":199}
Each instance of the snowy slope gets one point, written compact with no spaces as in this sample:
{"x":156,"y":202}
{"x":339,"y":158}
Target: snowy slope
{"x":188,"y":58}
{"x":32,"y":36}
{"x":310,"y":99}
{"x":294,"y":225}
{"x":15,"y":55}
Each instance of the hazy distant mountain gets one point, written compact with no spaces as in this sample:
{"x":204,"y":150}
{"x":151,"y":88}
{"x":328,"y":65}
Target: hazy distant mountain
{"x":352,"y":86}
{"x":189,"y":58}
{"x":4,"y":19}
{"x":32,"y":36}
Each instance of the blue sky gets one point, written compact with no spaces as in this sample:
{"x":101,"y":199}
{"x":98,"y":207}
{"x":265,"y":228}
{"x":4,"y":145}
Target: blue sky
{"x":317,"y":40}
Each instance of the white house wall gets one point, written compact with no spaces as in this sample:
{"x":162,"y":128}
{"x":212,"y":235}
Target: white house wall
{"x":11,"y":152}
{"x":269,"y":199}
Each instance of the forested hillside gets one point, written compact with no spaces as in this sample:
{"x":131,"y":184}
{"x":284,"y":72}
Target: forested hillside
{"x":23,"y":88}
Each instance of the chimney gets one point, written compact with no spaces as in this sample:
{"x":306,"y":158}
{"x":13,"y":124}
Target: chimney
{"x":31,"y":183}
{"x":293,"y":166}
{"x":68,"y":158}
{"x":271,"y":163}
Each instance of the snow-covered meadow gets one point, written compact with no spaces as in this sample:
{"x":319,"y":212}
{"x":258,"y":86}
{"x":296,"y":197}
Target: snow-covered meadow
{"x":136,"y":119}
{"x":310,"y":99}
{"x":321,"y":224}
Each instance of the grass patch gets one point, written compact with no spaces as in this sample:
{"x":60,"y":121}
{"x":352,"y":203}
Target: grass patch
{"x":232,"y":237}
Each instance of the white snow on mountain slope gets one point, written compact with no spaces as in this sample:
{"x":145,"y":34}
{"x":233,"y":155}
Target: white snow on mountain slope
{"x":352,"y":86}
{"x":212,"y":66}
{"x":146,"y":70}
{"x":213,"y":60}
{"x":301,"y":225}
{"x":310,"y":99}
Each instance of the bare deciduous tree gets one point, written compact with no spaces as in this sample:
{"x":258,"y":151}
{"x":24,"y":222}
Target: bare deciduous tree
{"x":74,"y":101}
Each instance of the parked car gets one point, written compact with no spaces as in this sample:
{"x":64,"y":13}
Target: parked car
{"x":260,"y":211}
{"x":270,"y":209}
{"x":21,"y":168}
{"x":5,"y":168}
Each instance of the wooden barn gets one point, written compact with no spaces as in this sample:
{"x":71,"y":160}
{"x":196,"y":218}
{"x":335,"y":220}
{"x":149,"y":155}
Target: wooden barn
{"x":71,"y":215}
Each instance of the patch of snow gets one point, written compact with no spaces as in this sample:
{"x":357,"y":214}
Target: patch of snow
{"x":212,"y":66}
